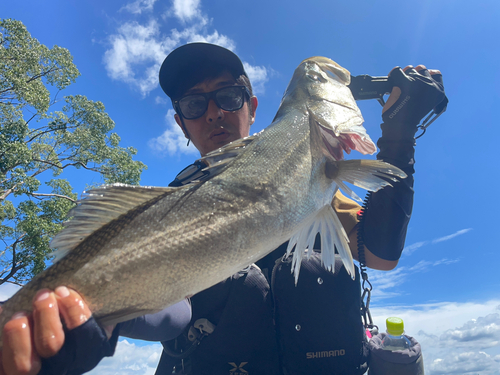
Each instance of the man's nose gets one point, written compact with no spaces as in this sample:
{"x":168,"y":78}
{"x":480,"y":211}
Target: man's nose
{"x":214,"y":113}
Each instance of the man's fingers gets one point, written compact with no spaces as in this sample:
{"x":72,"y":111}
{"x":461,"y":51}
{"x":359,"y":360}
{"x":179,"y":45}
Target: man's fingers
{"x":408,"y":67}
{"x":422,"y":69}
{"x":436,"y":76}
{"x":48,"y":329}
{"x":26,"y":338}
{"x":18,"y":353}
{"x":418,"y":69}
{"x":73,"y":308}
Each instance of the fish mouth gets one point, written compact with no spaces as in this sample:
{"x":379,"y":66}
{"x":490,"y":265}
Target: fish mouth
{"x":337,"y":144}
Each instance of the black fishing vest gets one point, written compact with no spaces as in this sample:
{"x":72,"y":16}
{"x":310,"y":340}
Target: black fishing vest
{"x":243,"y":340}
{"x":318,"y":328}
{"x":241,"y":326}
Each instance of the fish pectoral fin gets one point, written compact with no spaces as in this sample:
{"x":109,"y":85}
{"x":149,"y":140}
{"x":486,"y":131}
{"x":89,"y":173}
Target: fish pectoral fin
{"x":333,"y":236}
{"x":370,"y":175}
{"x":99,"y":207}
{"x":217,"y":160}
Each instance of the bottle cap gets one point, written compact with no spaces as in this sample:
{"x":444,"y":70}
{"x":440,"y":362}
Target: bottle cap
{"x":395,"y":326}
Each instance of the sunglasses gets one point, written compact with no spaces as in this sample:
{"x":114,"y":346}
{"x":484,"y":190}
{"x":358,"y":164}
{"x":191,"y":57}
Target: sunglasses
{"x":194,"y":106}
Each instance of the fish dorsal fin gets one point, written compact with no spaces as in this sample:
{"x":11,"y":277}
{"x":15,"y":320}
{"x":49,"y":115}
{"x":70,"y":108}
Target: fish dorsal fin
{"x":333,"y":236}
{"x":217,"y":160}
{"x":99,"y":207}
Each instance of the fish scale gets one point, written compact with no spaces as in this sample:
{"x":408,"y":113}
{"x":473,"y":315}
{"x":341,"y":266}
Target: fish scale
{"x":132,"y":250}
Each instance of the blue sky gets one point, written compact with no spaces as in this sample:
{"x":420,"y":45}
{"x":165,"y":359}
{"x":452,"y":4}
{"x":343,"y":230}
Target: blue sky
{"x":448,"y":272}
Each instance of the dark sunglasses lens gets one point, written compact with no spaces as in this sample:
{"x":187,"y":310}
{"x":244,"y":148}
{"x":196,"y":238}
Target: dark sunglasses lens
{"x":193,"y":106}
{"x":230,"y":98}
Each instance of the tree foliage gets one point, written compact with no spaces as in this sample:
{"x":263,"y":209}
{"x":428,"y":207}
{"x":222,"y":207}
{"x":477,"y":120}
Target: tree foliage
{"x":37,"y":145}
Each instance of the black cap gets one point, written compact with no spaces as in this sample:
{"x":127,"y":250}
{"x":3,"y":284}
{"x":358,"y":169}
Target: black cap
{"x":192,"y":63}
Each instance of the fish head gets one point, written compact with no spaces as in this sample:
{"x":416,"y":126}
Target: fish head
{"x":319,"y":85}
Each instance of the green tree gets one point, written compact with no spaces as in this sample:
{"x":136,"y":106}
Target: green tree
{"x":34,"y":204}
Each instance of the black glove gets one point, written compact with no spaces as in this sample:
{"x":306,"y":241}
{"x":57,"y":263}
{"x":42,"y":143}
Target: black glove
{"x":84,"y":347}
{"x":388,"y":211}
{"x":420,"y":93}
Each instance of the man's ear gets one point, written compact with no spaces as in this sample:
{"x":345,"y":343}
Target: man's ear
{"x":179,"y":122}
{"x":255,"y":103}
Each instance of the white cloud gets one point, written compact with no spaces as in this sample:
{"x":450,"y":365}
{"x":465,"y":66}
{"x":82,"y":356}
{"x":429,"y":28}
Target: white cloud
{"x":484,"y":330}
{"x":196,"y":33}
{"x":456,"y":338}
{"x":445,"y":261}
{"x":139,"y":6}
{"x":408,"y":250}
{"x":161,"y":100}
{"x":446,"y":238}
{"x":186,"y":10}
{"x":473,"y":363}
{"x":258,"y":76}
{"x":137,"y":50}
{"x":172,"y":141}
{"x":130,"y":359}
{"x":7,"y":290}
{"x":388,"y":283}
{"x":136,"y":54}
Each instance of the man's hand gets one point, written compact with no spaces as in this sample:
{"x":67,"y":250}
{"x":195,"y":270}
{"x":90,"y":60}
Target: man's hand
{"x":30,"y":338}
{"x":416,"y":91}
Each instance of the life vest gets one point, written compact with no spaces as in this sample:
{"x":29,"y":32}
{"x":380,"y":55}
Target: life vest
{"x":312,"y":328}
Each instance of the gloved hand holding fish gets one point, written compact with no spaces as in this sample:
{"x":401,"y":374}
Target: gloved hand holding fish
{"x":131,"y":251}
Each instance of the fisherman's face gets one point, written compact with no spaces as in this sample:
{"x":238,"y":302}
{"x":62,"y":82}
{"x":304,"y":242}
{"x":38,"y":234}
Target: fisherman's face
{"x":218,"y":127}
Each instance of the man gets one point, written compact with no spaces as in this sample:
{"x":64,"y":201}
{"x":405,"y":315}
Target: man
{"x":214,"y":105}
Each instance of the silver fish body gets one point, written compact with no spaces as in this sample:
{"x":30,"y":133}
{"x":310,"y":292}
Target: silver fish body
{"x":136,"y":250}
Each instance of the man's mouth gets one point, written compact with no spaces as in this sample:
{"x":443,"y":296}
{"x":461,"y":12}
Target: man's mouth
{"x":219,"y":134}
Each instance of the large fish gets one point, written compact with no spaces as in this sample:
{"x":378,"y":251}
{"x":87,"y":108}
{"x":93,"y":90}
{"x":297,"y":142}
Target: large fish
{"x":135,"y":250}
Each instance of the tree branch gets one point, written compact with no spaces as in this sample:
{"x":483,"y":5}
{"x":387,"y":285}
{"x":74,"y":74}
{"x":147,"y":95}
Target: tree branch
{"x":68,"y":165}
{"x":42,"y":74}
{"x":14,"y":269}
{"x":8,"y":192}
{"x":39,"y":134}
{"x":52,"y":195}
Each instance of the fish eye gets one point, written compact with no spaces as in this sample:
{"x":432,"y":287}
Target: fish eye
{"x":313,"y":76}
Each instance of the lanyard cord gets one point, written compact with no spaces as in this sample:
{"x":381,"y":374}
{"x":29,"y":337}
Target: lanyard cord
{"x":366,"y":285}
